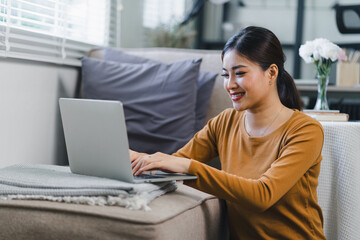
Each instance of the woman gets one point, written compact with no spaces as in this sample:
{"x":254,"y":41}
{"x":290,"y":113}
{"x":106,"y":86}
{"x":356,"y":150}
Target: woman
{"x":270,"y":152}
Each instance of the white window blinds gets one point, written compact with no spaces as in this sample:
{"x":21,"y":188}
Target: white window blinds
{"x":58,"y":31}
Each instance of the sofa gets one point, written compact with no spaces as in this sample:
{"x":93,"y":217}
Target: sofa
{"x":183,"y":214}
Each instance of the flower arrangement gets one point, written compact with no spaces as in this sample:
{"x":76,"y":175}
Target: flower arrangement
{"x":322,"y":53}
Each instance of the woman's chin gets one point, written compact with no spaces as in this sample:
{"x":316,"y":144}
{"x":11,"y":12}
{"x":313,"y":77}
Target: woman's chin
{"x":238,"y":107}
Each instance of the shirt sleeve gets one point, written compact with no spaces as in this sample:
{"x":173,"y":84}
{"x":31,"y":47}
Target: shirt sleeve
{"x":300,"y":151}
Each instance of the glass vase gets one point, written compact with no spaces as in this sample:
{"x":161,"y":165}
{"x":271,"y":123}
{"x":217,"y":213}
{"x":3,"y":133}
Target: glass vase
{"x":321,"y":101}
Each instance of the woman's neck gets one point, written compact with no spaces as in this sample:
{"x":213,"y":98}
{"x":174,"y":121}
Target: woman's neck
{"x":263,"y":120}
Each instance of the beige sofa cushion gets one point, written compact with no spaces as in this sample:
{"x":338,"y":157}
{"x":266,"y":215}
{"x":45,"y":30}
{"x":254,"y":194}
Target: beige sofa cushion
{"x":183,"y":214}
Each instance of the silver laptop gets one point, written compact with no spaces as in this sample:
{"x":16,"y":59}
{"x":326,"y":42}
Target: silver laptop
{"x":97,"y":142}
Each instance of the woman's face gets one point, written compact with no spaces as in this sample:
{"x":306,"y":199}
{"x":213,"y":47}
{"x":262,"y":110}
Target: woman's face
{"x":245,"y":81}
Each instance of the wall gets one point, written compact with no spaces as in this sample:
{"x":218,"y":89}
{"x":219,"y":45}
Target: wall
{"x":131,"y":24}
{"x":30,"y":125}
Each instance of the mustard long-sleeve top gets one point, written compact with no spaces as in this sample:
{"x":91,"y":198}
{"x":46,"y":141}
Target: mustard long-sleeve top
{"x":269,"y":183}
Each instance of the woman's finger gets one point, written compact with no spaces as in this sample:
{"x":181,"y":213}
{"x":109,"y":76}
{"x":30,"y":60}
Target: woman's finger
{"x":140,"y":162}
{"x":135,"y":162}
{"x":135,"y":155}
{"x":136,"y":165}
{"x":150,"y":166}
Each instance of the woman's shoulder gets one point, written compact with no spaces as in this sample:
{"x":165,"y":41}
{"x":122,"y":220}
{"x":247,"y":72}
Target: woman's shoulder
{"x":300,"y":120}
{"x":225,"y":119}
{"x":229,"y":114}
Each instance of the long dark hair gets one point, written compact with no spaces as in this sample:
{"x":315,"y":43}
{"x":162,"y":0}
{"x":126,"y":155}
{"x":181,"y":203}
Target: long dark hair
{"x":261,"y":46}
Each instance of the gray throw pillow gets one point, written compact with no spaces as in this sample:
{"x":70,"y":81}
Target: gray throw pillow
{"x":205,"y":84}
{"x":159,"y":99}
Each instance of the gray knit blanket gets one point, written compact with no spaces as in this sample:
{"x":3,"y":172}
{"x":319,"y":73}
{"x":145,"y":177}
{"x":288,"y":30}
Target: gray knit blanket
{"x":57,"y":183}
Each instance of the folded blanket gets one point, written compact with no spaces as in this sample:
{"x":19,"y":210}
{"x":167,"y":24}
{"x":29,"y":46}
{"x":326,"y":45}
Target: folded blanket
{"x":57,"y":183}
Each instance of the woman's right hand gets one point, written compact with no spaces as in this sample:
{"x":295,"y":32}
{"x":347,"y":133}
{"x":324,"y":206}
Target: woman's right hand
{"x":135,"y":155}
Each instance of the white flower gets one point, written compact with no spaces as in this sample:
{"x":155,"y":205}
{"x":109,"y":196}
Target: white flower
{"x":331,"y":53}
{"x":320,"y":48}
{"x":322,"y":53}
{"x":306,"y":51}
{"x":328,"y":50}
{"x":316,"y":54}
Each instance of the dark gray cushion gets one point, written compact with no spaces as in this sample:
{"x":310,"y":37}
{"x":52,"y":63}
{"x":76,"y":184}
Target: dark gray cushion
{"x":205,"y":84}
{"x":159,"y":99}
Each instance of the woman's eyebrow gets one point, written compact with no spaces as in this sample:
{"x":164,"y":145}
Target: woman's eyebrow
{"x":235,"y":67}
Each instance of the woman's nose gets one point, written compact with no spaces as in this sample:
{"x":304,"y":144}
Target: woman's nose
{"x":232,"y":82}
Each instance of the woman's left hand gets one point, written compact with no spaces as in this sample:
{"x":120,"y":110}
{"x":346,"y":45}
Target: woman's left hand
{"x":160,"y":161}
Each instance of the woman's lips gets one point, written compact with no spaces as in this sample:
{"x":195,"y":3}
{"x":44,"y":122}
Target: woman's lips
{"x":237,"y":96}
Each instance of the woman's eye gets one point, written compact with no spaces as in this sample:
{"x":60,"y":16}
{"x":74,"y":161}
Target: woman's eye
{"x":226,"y":75}
{"x":240,"y":73}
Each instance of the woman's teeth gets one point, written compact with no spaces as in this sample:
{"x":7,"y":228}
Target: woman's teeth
{"x":237,"y":95}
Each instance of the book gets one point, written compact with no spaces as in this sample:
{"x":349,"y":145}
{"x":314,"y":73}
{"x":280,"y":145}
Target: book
{"x":328,"y":115}
{"x":320,"y":111}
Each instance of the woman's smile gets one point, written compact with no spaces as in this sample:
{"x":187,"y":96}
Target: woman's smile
{"x":236,"y":96}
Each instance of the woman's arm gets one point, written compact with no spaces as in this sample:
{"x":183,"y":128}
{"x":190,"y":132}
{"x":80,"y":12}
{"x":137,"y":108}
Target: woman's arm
{"x":300,"y":153}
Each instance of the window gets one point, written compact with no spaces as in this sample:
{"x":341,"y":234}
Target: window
{"x":157,"y":12}
{"x":160,"y":22}
{"x":59,"y":31}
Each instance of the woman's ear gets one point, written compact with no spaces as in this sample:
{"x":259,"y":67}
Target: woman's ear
{"x":272,"y":72}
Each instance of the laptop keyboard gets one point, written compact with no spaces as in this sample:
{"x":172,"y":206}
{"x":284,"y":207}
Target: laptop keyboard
{"x":146,"y":176}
